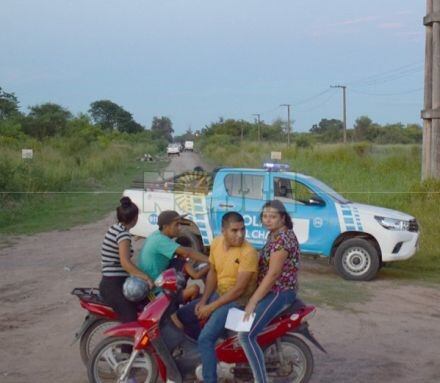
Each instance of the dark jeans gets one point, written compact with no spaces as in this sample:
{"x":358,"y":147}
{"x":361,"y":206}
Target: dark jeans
{"x":111,"y":291}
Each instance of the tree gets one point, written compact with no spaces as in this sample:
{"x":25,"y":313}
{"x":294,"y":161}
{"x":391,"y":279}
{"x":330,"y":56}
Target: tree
{"x":187,"y":136}
{"x":46,"y":120}
{"x":111,"y":117}
{"x":162,"y":128}
{"x":365,"y":129}
{"x":328,"y":130}
{"x":8,"y":105}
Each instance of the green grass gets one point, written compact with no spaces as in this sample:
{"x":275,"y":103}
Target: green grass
{"x":381,"y":175}
{"x":83,"y":203}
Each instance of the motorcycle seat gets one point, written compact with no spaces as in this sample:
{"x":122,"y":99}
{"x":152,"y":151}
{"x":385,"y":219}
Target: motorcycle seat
{"x":89,"y":294}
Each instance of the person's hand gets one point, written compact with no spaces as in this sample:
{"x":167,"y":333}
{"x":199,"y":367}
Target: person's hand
{"x":198,"y":305}
{"x":204,"y":312}
{"x":249,"y":310}
{"x":149,"y":281}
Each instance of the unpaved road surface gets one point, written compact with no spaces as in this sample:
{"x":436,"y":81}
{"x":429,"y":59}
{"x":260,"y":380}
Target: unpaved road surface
{"x":393,"y":336}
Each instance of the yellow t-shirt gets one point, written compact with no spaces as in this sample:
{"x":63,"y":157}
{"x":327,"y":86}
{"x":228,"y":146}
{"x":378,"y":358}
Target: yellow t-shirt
{"x":228,"y":263}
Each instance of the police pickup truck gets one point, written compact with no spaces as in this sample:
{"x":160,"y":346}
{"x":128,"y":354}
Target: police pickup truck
{"x":357,"y":238}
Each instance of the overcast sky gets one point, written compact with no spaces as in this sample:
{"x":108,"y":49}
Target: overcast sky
{"x":197,"y":60}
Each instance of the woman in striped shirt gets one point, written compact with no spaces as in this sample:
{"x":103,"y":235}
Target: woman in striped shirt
{"x":116,"y":253}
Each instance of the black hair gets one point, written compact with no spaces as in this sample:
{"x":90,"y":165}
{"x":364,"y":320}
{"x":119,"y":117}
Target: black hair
{"x":231,"y":217}
{"x":281,"y":209}
{"x":127,"y":211}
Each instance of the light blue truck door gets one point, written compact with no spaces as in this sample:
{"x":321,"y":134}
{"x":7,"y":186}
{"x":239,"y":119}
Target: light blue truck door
{"x":244,"y":192}
{"x":312,"y":222}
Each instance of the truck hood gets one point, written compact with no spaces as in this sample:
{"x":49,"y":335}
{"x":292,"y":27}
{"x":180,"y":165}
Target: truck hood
{"x":381,"y":211}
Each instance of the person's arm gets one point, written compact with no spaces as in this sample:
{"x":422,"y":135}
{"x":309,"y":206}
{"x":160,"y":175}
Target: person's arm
{"x":276,"y":263}
{"x":128,"y":265}
{"x":210,"y":287}
{"x":188,"y":252}
{"x":196,"y":273}
{"x":243,"y":279}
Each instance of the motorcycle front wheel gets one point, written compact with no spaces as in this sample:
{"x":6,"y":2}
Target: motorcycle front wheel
{"x":295,"y":358}
{"x":110,"y":357}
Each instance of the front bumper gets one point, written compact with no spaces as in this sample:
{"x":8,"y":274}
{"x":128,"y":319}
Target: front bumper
{"x":409,"y":246}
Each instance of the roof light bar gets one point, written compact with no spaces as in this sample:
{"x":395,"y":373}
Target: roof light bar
{"x":275,"y":167}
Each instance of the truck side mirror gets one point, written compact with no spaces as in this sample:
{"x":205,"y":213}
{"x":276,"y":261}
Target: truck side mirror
{"x":316,"y":200}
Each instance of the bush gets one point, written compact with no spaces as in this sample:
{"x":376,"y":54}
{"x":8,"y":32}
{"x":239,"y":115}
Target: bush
{"x":304,"y":142}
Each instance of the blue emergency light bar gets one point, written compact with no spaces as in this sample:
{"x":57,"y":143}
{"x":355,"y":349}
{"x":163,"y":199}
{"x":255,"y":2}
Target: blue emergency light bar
{"x":275,"y":167}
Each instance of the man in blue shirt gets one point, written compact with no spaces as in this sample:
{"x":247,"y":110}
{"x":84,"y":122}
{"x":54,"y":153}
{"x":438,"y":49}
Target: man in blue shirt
{"x":159,"y":248}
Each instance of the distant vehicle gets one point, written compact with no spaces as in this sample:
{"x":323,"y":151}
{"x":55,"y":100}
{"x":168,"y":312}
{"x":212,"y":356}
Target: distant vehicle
{"x":189,"y":146}
{"x":357,"y":238}
{"x":173,"y":150}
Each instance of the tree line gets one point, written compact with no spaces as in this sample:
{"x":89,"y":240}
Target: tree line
{"x":51,"y":119}
{"x":325,"y":131}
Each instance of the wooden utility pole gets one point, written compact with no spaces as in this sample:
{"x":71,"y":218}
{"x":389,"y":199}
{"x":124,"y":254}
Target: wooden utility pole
{"x":431,"y":111}
{"x":259,"y":126}
{"x":288,"y":122}
{"x":344,"y":110}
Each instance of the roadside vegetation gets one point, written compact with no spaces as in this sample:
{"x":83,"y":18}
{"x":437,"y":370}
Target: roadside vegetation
{"x":383,"y":175}
{"x":80,"y":165}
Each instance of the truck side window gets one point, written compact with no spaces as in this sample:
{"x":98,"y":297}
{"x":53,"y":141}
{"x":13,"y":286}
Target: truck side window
{"x":244,"y":185}
{"x":290,"y":191}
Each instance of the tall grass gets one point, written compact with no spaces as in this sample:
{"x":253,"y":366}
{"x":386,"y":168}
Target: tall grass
{"x":387,"y":176}
{"x":37,"y":191}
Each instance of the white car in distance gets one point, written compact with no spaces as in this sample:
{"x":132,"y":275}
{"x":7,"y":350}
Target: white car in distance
{"x":173,"y":150}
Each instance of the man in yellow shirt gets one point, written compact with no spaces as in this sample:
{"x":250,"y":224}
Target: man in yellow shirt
{"x":230,"y":282}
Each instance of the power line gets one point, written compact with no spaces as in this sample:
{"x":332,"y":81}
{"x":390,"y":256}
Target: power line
{"x":318,"y":105}
{"x":386,"y":94}
{"x":388,"y":72}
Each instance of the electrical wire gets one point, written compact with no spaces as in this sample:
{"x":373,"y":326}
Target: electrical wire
{"x":386,"y":94}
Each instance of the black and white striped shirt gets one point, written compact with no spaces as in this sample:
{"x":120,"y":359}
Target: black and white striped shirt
{"x":110,"y":261}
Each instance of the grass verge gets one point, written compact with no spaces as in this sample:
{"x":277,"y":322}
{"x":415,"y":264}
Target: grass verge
{"x":83,"y":203}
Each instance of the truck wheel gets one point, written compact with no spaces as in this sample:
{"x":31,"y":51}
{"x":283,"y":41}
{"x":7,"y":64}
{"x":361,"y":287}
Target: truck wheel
{"x":357,"y":259}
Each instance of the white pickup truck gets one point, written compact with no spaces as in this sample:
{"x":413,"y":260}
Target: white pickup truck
{"x":173,"y":150}
{"x":189,"y":146}
{"x":357,"y":238}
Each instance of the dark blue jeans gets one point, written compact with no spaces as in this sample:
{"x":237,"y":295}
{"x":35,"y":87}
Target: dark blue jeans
{"x":213,"y":329}
{"x":267,"y":309}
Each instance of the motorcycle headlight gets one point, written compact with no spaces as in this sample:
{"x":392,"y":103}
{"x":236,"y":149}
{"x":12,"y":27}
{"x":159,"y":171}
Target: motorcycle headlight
{"x":392,"y":223}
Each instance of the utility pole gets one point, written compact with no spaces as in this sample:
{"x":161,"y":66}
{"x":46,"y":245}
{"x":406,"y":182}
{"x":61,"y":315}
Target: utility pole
{"x":344,"y":110}
{"x":288,"y":122}
{"x":431,"y":112}
{"x":259,"y":126}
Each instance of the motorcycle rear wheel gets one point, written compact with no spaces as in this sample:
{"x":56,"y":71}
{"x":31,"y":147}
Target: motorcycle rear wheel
{"x":109,"y":359}
{"x":298,"y":361}
{"x":92,"y":336}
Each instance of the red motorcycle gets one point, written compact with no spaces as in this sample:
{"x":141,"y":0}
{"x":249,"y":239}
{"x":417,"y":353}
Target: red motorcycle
{"x":154,"y":348}
{"x":100,"y":317}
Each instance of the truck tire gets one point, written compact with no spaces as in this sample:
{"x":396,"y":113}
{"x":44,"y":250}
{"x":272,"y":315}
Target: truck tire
{"x":357,"y":259}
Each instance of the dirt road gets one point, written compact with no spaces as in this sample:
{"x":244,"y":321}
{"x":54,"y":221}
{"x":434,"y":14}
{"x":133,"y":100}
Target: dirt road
{"x":383,"y":331}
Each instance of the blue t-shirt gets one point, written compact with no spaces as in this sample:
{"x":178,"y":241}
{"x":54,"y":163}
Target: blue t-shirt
{"x":156,"y":253}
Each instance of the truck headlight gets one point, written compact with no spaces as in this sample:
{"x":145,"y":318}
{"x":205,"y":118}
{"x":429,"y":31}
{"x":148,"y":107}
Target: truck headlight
{"x":392,"y":223}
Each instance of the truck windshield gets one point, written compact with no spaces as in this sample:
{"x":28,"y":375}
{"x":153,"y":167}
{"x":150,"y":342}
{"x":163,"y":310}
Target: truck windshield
{"x":328,"y":190}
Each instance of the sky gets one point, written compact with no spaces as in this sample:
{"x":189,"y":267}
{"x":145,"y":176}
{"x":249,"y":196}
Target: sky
{"x":195,"y":61}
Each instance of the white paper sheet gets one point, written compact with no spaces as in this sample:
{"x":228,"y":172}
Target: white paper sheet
{"x":234,"y":321}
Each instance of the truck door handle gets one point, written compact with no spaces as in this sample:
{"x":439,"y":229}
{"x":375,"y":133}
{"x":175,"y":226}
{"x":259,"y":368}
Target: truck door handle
{"x":225,"y":205}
